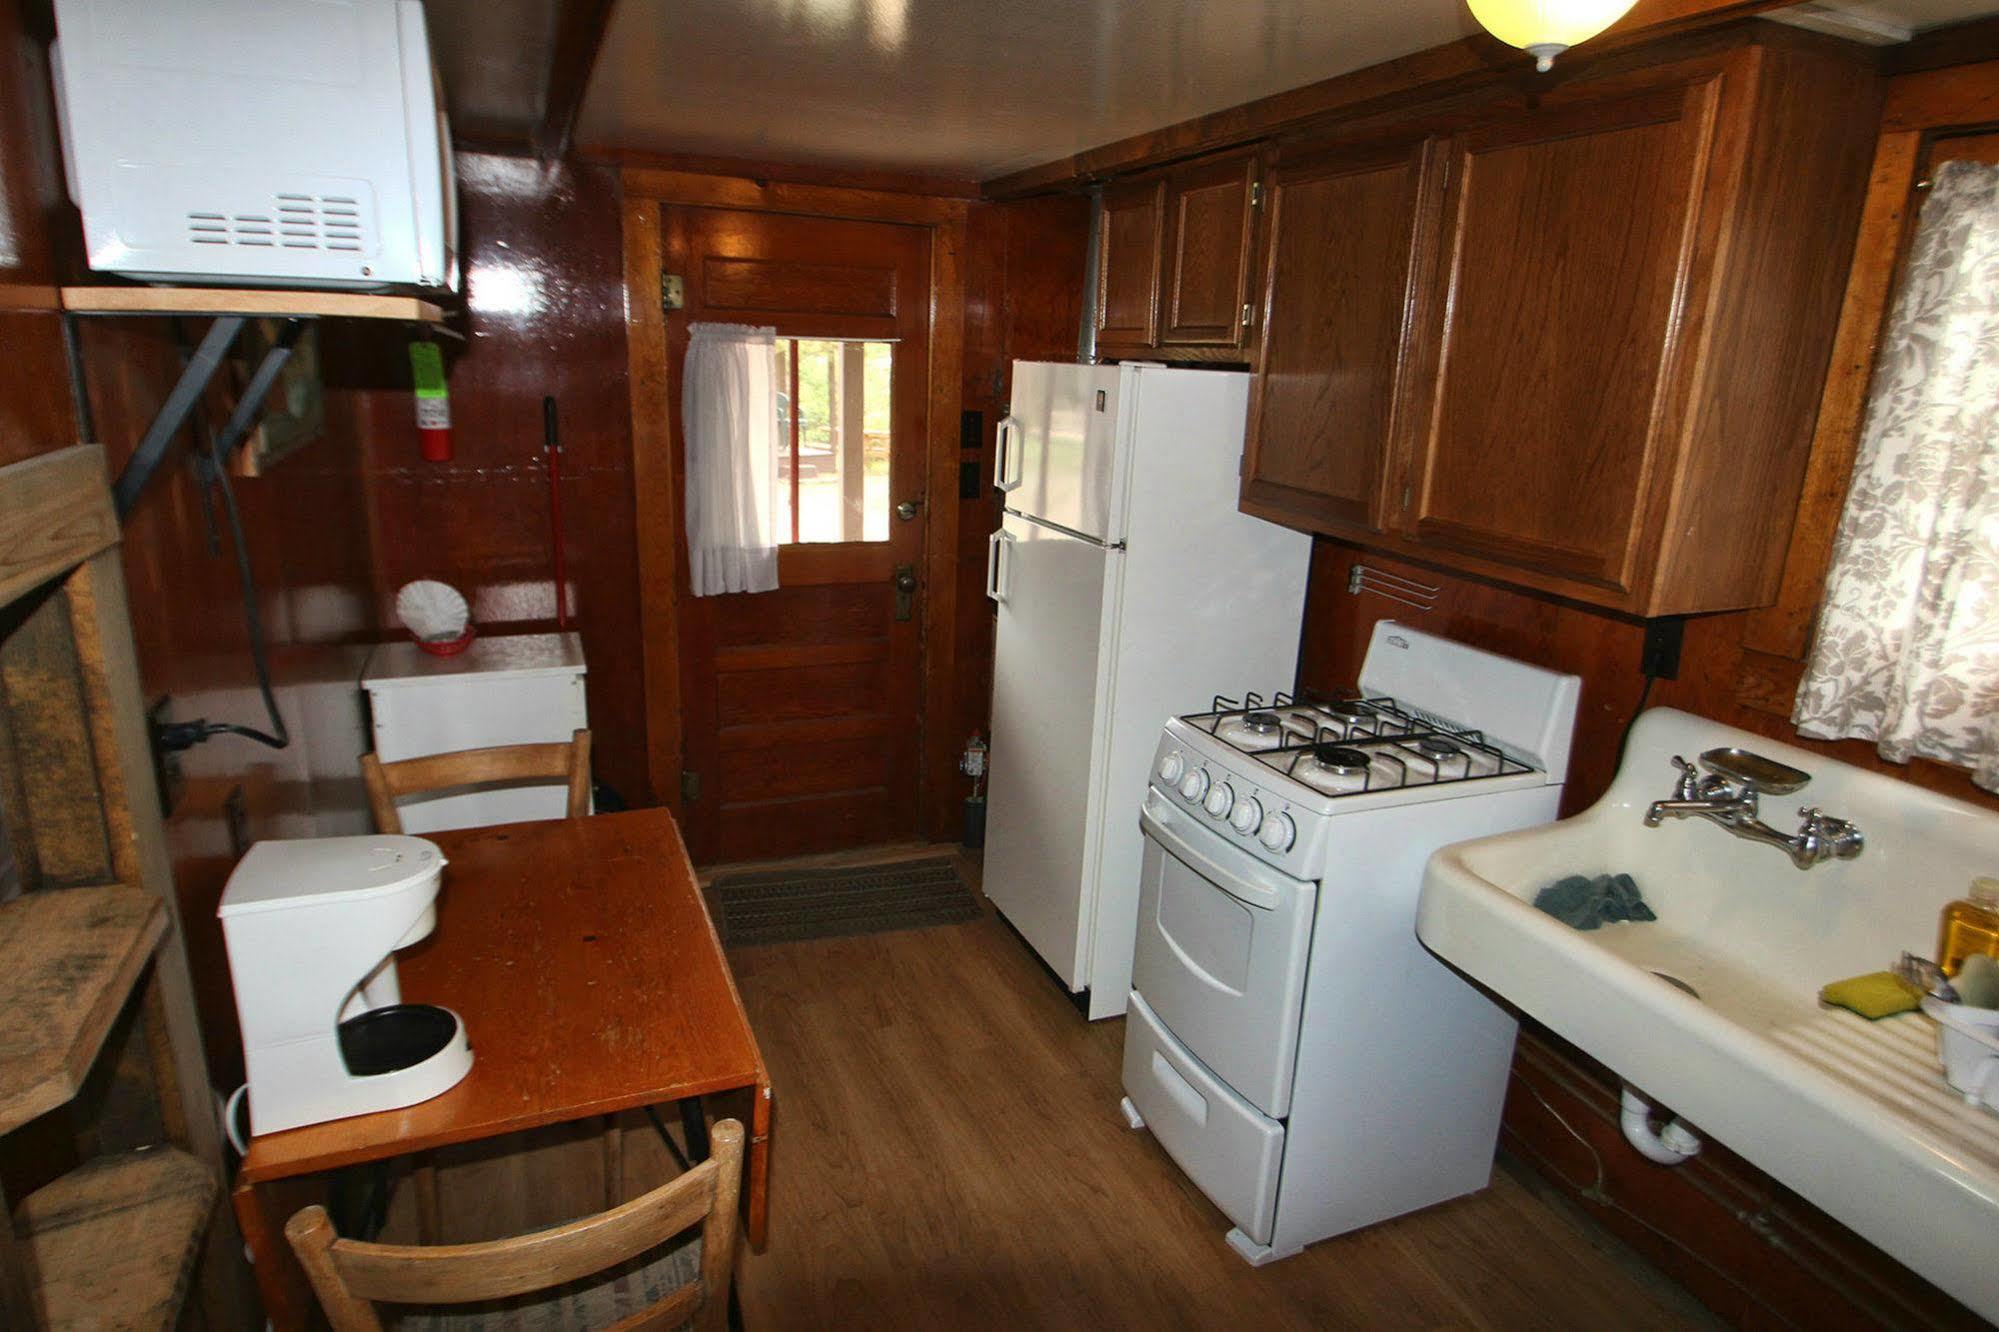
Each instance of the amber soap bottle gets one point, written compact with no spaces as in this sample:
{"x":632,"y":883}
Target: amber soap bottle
{"x":1969,"y":925}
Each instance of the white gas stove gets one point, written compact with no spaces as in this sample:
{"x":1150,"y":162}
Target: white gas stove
{"x":1290,"y":1043}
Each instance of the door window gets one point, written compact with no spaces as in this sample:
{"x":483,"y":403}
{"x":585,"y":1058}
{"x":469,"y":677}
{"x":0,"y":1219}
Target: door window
{"x":833,"y":442}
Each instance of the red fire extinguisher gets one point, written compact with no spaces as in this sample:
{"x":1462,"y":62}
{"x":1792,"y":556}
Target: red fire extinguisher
{"x":433,"y":401}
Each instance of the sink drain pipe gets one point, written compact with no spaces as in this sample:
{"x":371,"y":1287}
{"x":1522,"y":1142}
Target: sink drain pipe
{"x":1673,"y":1145}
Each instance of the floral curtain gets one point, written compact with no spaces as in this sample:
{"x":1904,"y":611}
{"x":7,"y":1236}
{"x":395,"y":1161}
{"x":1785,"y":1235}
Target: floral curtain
{"x":1907,"y":650}
{"x":728,"y":412}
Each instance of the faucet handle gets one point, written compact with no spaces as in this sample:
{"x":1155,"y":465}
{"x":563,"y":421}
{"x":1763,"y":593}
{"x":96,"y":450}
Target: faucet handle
{"x":1688,"y":784}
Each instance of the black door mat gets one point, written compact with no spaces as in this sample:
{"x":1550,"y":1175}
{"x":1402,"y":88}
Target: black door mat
{"x":785,"y":906}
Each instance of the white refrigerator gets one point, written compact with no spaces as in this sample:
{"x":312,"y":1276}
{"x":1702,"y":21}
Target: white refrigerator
{"x":1130,"y":590}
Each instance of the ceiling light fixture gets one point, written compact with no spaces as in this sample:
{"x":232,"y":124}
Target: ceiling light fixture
{"x":1546,"y":28}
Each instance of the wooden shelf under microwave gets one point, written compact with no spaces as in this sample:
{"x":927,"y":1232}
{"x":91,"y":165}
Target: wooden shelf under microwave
{"x":256,"y":303}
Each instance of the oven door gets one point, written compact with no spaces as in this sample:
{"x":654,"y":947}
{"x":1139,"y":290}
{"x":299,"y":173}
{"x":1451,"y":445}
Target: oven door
{"x":1222,"y":944}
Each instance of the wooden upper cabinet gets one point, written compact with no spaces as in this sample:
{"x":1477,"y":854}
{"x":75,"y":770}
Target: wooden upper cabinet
{"x":1210,"y":233}
{"x":1175,"y":250}
{"x":1581,"y":349}
{"x":1342,"y":261}
{"x":1128,"y":243}
{"x":1571,"y":237}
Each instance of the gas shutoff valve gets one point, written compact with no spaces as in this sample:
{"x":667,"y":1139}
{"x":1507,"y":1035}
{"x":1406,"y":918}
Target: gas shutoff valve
{"x":973,"y":763}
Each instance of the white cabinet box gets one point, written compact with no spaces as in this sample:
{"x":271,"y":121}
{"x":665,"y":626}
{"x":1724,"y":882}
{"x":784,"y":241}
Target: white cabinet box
{"x":515,"y":690}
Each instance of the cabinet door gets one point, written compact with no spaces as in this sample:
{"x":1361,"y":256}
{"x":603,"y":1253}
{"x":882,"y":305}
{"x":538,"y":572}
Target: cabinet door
{"x":1128,"y":241}
{"x":1568,"y":272}
{"x":1210,"y":227}
{"x":1342,"y":266}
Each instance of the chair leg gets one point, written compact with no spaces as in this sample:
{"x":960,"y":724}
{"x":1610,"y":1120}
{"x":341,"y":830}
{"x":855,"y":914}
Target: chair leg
{"x":614,"y":1161}
{"x":694,"y":1127}
{"x":424,"y":1177}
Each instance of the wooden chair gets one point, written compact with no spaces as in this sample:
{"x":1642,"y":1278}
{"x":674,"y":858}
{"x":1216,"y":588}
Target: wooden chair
{"x":664,"y":1291}
{"x":472,"y":767}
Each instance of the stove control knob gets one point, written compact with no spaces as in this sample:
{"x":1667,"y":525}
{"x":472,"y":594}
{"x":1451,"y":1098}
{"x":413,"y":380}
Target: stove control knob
{"x":1220,"y":800}
{"x":1277,"y":832}
{"x":1246,"y":816}
{"x":1194,"y":785}
{"x":1172,"y":767}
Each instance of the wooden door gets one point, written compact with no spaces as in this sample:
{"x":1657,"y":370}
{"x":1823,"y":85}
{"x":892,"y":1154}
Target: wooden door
{"x":1348,"y":228}
{"x":801,"y":707}
{"x":1210,"y":231}
{"x":1128,"y":244}
{"x":1569,"y":270}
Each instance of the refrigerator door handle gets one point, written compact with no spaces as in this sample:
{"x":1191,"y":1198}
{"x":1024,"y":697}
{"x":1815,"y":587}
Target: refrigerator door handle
{"x":1006,"y":464}
{"x":998,"y":565}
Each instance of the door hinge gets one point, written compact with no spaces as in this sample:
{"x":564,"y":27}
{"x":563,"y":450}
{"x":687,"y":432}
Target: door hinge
{"x":690,"y":785}
{"x":672,"y":292}
{"x":1255,"y":193}
{"x":1408,"y":492}
{"x":1242,"y":464}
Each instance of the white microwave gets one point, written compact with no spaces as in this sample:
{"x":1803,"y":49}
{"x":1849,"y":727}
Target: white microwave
{"x":257,"y":142}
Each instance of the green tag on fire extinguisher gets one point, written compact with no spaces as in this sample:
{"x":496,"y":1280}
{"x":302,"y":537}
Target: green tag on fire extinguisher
{"x":433,"y":401}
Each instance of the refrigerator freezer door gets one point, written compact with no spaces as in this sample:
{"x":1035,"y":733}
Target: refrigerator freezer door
{"x":1059,"y":447}
{"x":1046,"y":731}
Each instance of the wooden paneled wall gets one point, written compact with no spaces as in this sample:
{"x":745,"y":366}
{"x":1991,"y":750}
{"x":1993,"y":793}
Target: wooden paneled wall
{"x":545,"y":302}
{"x":36,"y":413}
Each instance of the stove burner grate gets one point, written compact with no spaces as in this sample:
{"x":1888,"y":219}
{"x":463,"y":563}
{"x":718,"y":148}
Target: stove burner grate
{"x":1339,"y":760}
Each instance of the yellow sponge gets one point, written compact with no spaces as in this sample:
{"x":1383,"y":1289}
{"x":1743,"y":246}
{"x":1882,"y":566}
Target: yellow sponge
{"x":1878,"y":995}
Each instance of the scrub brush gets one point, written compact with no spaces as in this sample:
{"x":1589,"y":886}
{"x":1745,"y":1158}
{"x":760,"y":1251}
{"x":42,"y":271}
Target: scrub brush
{"x":436,"y":615}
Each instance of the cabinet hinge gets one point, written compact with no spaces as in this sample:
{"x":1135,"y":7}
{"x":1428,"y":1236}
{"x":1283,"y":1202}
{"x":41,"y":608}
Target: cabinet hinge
{"x":690,"y":786}
{"x":672,"y":292}
{"x":1255,"y":193}
{"x":1408,"y":492}
{"x":1248,"y":311}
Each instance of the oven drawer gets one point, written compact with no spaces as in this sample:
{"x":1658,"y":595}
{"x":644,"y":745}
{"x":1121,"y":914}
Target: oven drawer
{"x":1223,"y":939}
{"x":1225,"y":1145}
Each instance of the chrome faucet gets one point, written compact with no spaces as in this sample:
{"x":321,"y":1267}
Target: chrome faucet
{"x":1730,"y":795}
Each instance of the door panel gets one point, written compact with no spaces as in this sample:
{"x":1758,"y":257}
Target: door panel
{"x":1340,"y":277}
{"x":1571,"y":239}
{"x":1128,"y":243}
{"x":1062,"y":446}
{"x":1051,"y":591}
{"x":801,"y":707}
{"x":1209,"y":229}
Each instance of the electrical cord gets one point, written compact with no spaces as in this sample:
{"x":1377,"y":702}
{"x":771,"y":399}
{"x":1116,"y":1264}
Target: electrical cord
{"x":212,"y":469}
{"x":1623,"y":740}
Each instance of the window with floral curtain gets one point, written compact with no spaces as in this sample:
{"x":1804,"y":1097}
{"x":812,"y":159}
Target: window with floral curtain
{"x":1907,"y":649}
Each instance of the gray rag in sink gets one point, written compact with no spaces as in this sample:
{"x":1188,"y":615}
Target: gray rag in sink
{"x":1586,"y":903}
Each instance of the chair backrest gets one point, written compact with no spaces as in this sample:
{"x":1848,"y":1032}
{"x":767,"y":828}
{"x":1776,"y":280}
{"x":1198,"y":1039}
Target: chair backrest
{"x":351,"y":1277}
{"x":473,"y":767}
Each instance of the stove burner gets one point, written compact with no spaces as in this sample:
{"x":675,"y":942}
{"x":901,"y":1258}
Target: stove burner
{"x":1262,"y":723}
{"x":1346,"y":711}
{"x":1436,"y":747}
{"x":1339,"y":761}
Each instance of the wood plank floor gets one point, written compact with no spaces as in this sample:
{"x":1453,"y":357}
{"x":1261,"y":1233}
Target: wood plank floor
{"x":950,"y":1154}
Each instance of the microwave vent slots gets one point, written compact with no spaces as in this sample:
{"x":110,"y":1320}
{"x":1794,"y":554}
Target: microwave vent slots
{"x":294,"y":222}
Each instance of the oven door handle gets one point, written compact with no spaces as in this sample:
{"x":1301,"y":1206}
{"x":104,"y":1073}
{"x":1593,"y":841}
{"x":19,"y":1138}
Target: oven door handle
{"x":1249,"y":881}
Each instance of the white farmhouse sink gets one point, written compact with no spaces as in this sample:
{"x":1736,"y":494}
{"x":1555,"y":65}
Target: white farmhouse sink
{"x":1852,"y":1114}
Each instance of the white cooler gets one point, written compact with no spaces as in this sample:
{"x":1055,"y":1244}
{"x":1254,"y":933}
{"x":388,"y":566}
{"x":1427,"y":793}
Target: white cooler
{"x":512,"y":690}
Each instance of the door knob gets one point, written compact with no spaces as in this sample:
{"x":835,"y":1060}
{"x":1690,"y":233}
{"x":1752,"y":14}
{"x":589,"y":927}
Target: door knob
{"x":904,"y":582}
{"x":907,"y":509}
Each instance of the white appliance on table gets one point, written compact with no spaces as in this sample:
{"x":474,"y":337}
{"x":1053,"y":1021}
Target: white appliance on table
{"x":1129,"y":588}
{"x":1291,"y":1044}
{"x":519,"y":689}
{"x":289,"y":142}
{"x":312,"y":926}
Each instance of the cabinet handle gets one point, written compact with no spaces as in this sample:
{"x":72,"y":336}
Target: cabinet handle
{"x":1003,"y":475}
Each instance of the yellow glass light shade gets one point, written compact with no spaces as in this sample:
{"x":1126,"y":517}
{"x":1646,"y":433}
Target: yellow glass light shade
{"x":1546,"y":28}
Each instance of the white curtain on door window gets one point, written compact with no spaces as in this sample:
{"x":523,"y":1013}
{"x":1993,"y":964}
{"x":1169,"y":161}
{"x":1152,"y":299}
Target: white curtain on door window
{"x":728,"y":411}
{"x":1907,"y":651}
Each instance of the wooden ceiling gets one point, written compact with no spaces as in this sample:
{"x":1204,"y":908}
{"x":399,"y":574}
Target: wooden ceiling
{"x":964,"y":89}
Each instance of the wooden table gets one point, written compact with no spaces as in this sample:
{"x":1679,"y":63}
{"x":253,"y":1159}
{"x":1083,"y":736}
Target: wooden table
{"x":590,"y":979}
